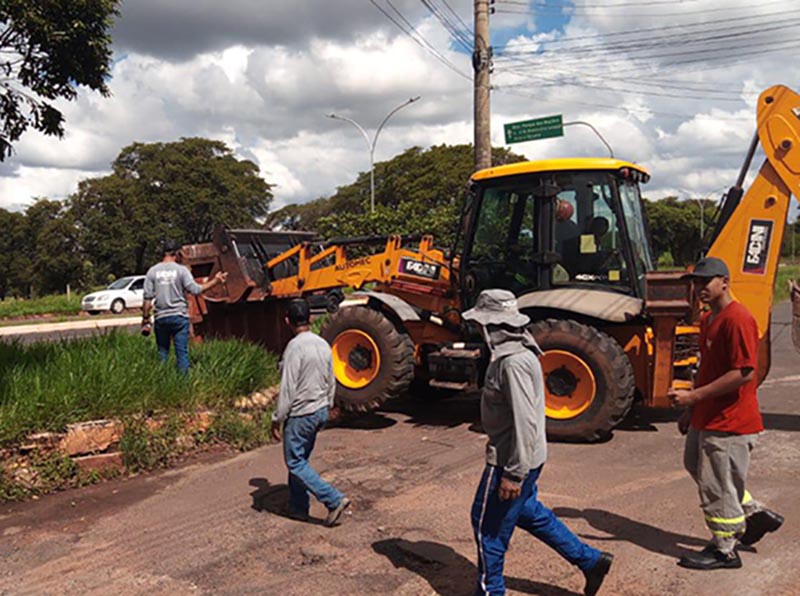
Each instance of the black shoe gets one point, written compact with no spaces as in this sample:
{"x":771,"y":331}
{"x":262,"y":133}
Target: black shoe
{"x":710,"y":558}
{"x":759,"y":524}
{"x":335,"y":514}
{"x":596,"y":575}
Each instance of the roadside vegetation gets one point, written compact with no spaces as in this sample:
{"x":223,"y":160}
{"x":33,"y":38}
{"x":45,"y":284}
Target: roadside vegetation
{"x":785,"y":274}
{"x":45,"y":386}
{"x":57,"y":305}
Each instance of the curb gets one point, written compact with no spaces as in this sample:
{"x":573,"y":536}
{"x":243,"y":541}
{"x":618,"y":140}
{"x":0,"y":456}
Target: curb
{"x":93,"y":446}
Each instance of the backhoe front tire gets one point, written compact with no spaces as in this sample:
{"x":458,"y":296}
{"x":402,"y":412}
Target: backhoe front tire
{"x":373,"y":360}
{"x":589,"y":384}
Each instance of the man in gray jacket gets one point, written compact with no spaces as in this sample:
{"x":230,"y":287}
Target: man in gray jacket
{"x":512,"y":414}
{"x":307,"y":391}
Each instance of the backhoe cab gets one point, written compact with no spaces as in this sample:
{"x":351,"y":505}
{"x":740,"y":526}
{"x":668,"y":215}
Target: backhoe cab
{"x":569,"y":238}
{"x":555,"y":224}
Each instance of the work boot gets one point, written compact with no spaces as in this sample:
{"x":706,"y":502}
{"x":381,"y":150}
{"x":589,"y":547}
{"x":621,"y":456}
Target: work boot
{"x":596,"y":575}
{"x":759,"y":524}
{"x":710,"y":558}
{"x":335,"y":514}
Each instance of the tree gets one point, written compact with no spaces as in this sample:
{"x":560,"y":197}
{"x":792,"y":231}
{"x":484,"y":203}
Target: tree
{"x":157,"y":191}
{"x":53,"y":248}
{"x":47,"y":50}
{"x":418,"y":191}
{"x":15,"y":265}
{"x":675,"y":227}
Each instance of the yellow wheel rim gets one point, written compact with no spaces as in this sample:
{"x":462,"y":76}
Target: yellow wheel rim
{"x":570,"y":385}
{"x":356,"y":359}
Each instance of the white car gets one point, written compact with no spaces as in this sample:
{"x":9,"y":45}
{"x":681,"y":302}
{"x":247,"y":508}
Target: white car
{"x":126,"y":292}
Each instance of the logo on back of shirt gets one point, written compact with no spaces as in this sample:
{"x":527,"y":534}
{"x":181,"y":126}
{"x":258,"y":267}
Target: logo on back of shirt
{"x":757,"y":250}
{"x":166,"y":276}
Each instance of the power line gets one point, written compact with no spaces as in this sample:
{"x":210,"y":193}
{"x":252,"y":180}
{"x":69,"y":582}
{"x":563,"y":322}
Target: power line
{"x":458,"y":35}
{"x":599,"y":55}
{"x":465,"y":27}
{"x":419,"y":39}
{"x":575,"y":11}
{"x":652,"y":42}
{"x":748,"y":19}
{"x":419,"y":35}
{"x":628,"y":110}
{"x":617,"y":5}
{"x":650,"y":81}
{"x":610,"y":89}
{"x":701,"y":59}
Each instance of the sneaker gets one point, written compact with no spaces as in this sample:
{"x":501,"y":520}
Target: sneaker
{"x":710,"y":558}
{"x":335,"y":514}
{"x":759,"y":524}
{"x":596,"y":575}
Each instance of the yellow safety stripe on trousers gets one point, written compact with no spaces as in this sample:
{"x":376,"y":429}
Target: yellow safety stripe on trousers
{"x":723,"y":534}
{"x":726,"y":521}
{"x":747,"y":497}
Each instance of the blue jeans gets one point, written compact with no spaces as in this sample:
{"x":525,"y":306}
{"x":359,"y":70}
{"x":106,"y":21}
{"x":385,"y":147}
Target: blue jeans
{"x":493,"y":522}
{"x":299,"y":435}
{"x":175,"y":329}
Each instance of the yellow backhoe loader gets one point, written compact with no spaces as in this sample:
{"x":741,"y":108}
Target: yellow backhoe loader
{"x":568,"y":236}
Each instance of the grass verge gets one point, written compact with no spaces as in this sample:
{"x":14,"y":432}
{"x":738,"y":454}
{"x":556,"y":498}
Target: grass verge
{"x":44,"y":387}
{"x":58,"y":304}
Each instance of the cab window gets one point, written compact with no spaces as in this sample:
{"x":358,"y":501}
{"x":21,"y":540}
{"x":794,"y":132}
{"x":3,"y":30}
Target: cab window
{"x":505,"y":241}
{"x":587,"y":232}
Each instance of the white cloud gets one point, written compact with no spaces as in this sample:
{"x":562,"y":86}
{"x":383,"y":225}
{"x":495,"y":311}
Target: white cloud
{"x":264,"y":80}
{"x":29,"y":183}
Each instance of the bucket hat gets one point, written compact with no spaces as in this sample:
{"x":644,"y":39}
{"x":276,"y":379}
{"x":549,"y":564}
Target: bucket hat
{"x":496,"y":307}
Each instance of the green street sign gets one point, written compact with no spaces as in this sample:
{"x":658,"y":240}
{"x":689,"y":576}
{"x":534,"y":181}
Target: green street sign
{"x":532,"y":130}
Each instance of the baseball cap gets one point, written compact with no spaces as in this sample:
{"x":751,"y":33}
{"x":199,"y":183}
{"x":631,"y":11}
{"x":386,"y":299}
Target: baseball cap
{"x":496,"y":307}
{"x":298,"y":312}
{"x":171,"y":246}
{"x":708,"y":267}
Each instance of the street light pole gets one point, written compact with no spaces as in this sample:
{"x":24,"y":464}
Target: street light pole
{"x":700,"y":202}
{"x":371,"y":144}
{"x":702,"y":219}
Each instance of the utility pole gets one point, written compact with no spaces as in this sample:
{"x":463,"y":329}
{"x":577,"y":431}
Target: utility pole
{"x":481,"y":64}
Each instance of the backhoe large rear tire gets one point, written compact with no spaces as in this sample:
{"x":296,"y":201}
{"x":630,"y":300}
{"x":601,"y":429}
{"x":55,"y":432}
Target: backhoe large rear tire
{"x":373,"y":360}
{"x":589,"y":384}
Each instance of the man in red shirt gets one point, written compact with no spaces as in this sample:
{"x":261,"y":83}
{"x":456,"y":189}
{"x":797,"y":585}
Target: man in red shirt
{"x":722,"y":421}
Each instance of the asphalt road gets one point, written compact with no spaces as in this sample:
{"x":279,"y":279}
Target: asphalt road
{"x":217,"y":526}
{"x":37,"y":332}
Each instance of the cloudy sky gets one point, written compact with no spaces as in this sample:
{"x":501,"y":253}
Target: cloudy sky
{"x":671,"y":84}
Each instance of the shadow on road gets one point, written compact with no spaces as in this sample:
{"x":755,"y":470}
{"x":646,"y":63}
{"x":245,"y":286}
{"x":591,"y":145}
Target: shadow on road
{"x":645,"y":419}
{"x":448,"y":572}
{"x":273,"y":498}
{"x":269,"y":497}
{"x":366,"y":421}
{"x":450,"y":411}
{"x":625,"y":529}
{"x":786,"y":422}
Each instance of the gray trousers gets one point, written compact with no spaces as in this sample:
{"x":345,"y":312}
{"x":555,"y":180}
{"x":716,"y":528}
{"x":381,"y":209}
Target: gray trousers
{"x":718,"y":463}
